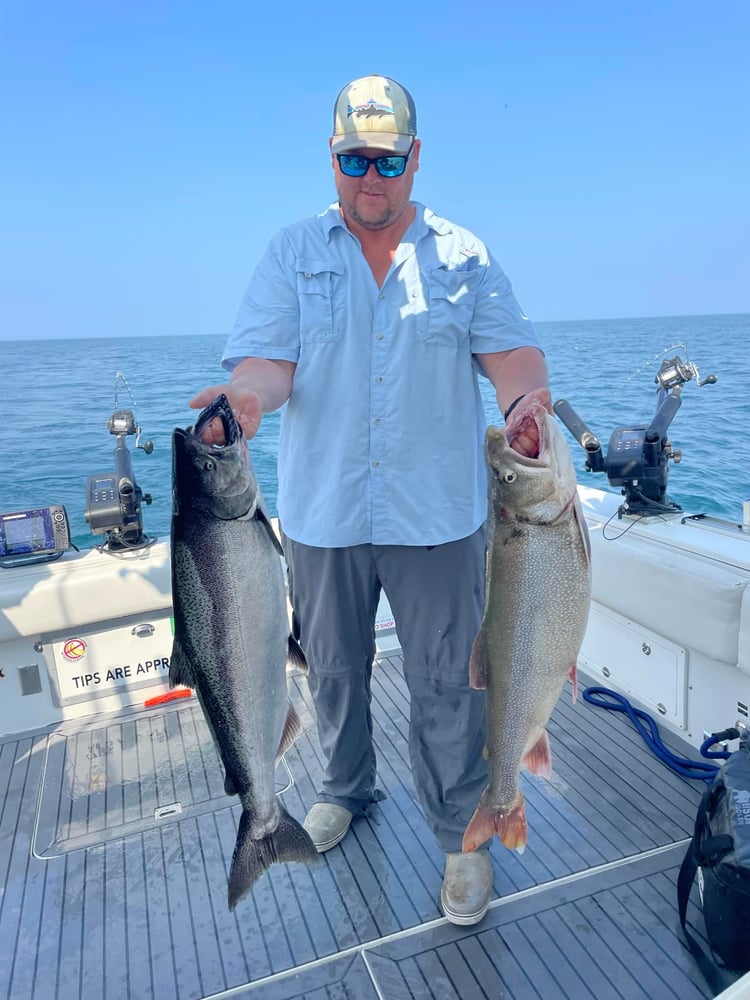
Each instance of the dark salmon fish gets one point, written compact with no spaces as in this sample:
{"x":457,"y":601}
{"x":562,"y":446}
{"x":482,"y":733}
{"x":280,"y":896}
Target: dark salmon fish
{"x":231,"y":637}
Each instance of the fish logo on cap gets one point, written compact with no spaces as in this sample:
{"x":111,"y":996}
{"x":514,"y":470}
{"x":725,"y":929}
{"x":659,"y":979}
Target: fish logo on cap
{"x":369,"y":110}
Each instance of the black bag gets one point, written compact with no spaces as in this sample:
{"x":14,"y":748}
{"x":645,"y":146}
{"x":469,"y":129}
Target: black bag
{"x":720,"y":853}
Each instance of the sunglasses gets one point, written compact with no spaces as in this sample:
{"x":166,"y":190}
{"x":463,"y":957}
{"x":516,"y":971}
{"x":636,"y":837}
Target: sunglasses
{"x":386,"y":166}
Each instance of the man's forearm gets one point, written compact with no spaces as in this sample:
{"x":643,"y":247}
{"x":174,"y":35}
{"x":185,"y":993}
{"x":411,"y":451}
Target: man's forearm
{"x":271,"y":380}
{"x":514,"y":373}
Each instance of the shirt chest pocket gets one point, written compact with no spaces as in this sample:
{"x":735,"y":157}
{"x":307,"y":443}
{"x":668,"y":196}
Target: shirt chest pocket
{"x":316,"y":286}
{"x":451,"y":307}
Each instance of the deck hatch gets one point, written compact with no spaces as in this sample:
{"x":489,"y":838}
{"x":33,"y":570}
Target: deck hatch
{"x":112,"y":780}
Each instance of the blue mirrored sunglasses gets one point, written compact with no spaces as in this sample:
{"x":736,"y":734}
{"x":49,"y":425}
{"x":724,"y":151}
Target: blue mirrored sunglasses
{"x":386,"y":166}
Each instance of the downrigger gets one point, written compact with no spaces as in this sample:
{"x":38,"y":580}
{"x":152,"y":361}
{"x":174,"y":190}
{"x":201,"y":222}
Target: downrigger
{"x":637,"y":458}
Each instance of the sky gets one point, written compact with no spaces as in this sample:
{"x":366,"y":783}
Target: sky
{"x":150,"y":149}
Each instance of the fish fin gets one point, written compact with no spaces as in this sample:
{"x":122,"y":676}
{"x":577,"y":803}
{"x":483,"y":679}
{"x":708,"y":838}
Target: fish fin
{"x":296,"y":655}
{"x":260,"y":515}
{"x":251,"y":858}
{"x":510,"y":826}
{"x":574,"y":681}
{"x":538,"y":759}
{"x":479,"y":666}
{"x":582,"y":526}
{"x":292,"y":729}
{"x":180,"y":668}
{"x":229,"y":786}
{"x":481,"y":827}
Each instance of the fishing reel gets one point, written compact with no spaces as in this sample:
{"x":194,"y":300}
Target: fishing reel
{"x":637,"y":458}
{"x":114,"y":500}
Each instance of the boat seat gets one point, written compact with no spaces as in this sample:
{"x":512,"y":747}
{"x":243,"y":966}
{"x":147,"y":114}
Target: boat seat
{"x":674,"y":595}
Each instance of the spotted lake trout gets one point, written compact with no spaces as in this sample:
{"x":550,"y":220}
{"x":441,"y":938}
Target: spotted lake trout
{"x":537,"y":595}
{"x":231,"y":635}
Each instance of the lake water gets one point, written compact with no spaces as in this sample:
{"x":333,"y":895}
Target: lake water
{"x":58,"y":395}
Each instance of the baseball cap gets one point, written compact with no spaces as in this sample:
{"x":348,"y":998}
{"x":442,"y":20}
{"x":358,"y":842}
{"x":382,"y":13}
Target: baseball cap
{"x":374,"y":112}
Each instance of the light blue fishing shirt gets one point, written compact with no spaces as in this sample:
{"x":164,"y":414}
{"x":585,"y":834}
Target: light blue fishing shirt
{"x":382,"y":438}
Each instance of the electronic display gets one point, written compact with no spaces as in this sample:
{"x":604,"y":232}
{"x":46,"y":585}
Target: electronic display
{"x":626,"y":439}
{"x":34,"y":532}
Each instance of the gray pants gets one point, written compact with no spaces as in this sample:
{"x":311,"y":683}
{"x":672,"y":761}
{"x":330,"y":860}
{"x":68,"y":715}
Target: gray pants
{"x":436,"y":594}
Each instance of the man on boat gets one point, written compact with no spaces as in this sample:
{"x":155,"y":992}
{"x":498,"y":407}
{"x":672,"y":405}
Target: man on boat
{"x":372,"y":321}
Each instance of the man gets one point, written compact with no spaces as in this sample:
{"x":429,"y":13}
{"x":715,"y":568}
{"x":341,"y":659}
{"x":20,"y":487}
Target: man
{"x":371,"y":322}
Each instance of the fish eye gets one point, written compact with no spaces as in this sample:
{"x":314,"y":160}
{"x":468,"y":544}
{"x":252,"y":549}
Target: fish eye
{"x":509,"y":476}
{"x":209,"y":465}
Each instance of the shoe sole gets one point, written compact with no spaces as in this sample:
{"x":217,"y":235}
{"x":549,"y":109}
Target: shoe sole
{"x":463,"y":919}
{"x":326,"y":845}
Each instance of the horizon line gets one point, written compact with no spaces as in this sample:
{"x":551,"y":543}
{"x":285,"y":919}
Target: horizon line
{"x":139,"y":336}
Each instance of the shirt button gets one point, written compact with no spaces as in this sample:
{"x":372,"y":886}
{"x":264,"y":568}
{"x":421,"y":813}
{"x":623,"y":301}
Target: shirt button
{"x":377,"y":421}
{"x":378,"y":378}
{"x":381,"y":296}
{"x":379,"y":336}
{"x":375,"y":464}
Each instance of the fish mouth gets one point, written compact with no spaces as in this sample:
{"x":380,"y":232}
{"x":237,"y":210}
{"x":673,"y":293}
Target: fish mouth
{"x":219,"y":409}
{"x":215,"y":478}
{"x":552,"y":451}
{"x":547,"y":488}
{"x":534,"y":414}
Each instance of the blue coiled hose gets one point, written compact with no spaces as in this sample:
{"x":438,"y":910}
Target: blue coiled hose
{"x":649,"y":731}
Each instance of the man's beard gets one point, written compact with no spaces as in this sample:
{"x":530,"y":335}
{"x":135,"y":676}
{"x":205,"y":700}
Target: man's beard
{"x":374,"y":224}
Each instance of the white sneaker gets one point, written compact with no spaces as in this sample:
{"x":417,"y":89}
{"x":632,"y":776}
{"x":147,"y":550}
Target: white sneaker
{"x":327,"y":825}
{"x":467,"y":886}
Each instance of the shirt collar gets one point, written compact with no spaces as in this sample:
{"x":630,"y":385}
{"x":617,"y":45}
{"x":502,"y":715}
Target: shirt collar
{"x":332,"y":219}
{"x":431,"y":221}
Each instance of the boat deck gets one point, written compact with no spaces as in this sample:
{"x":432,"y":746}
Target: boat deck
{"x":116,"y":836}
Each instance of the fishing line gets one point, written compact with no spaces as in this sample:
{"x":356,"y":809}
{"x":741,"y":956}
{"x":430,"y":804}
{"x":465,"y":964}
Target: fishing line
{"x":679,"y":346}
{"x":120,"y":378}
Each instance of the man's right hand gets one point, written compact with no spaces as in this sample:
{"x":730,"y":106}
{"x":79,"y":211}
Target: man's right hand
{"x":258,"y":386}
{"x":246,"y":405}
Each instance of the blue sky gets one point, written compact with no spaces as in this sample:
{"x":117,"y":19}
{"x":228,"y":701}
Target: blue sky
{"x":150,"y":150}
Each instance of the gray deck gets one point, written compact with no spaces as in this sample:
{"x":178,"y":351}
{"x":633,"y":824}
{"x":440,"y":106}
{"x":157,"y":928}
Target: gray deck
{"x":115,"y":840}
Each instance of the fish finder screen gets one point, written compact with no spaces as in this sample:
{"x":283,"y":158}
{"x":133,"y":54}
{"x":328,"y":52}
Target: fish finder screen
{"x":29,"y":531}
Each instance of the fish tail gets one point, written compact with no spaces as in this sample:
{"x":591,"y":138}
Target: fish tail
{"x":288,"y":842}
{"x":509,"y":825}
